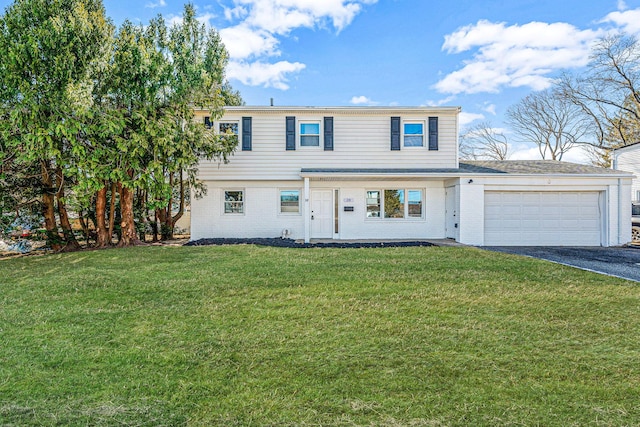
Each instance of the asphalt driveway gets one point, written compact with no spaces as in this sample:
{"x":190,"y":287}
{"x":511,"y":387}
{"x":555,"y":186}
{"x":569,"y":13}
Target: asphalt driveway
{"x":621,"y":262}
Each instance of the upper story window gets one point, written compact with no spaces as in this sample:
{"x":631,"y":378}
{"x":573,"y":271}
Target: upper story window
{"x":413,"y":134}
{"x":310,"y":134}
{"x":207,"y":122}
{"x":228,"y":128}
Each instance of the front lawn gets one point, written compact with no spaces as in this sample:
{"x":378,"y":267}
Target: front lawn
{"x":255,"y":336}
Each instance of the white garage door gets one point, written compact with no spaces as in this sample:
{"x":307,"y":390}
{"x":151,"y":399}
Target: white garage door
{"x":532,"y":218}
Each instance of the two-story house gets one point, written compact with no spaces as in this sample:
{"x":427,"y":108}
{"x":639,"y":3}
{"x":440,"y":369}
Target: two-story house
{"x":393,"y":173}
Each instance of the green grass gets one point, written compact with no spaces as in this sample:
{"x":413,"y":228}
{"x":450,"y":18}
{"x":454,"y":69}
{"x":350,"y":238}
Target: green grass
{"x":255,"y":336}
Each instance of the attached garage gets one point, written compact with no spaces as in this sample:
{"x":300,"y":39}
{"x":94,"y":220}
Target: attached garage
{"x":543,"y":218}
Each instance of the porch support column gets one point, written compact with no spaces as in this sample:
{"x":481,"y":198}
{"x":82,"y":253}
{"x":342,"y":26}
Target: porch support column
{"x":307,"y":212}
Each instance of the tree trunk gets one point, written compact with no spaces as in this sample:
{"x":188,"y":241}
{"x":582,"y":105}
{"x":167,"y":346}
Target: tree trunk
{"x":178,"y":215}
{"x":48,"y":209}
{"x":141,"y":197}
{"x":71,"y":244}
{"x":167,"y":224}
{"x":154,"y":225}
{"x":112,"y":210}
{"x":129,"y":236}
{"x":84,"y":225}
{"x":103,"y":237}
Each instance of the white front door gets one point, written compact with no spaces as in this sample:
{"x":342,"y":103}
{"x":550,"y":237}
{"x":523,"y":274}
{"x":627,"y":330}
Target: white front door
{"x":451,"y":216}
{"x":321,"y":214}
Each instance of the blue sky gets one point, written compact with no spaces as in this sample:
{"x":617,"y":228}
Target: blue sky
{"x":482,"y":55}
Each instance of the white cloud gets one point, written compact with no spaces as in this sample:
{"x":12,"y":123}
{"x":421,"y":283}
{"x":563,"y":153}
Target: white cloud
{"x":363,"y":100}
{"x":489,"y":108}
{"x":263,"y":74}
{"x":282,"y":16}
{"x":439,"y":102}
{"x":628,"y":20}
{"x":243,"y":42}
{"x":622,"y":5}
{"x":514,"y":56}
{"x":160,"y":3}
{"x":259,"y":26}
{"x":523,"y":152}
{"x":465,"y":118}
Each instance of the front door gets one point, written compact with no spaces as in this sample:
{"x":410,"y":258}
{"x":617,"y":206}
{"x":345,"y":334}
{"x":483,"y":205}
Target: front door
{"x":451,"y":221}
{"x":321,"y":214}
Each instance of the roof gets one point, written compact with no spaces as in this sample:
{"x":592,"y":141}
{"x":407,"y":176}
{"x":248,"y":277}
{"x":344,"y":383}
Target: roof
{"x":635,"y":146}
{"x":344,"y":109}
{"x":532,"y":167}
{"x":489,"y":167}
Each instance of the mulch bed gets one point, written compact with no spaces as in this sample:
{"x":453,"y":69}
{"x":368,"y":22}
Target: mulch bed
{"x":290,"y":243}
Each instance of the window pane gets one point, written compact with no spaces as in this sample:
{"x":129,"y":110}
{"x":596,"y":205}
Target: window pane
{"x":415,"y":203}
{"x":233,"y":202}
{"x":309,"y":141}
{"x":394,"y":203}
{"x":413,"y":141}
{"x":413,"y":129}
{"x":309,"y":128}
{"x":229,"y":128}
{"x":290,"y":201}
{"x":373,"y":204}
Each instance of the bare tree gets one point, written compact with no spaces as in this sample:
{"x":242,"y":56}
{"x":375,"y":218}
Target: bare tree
{"x":483,"y":142}
{"x":546,"y":119}
{"x":608,"y":93}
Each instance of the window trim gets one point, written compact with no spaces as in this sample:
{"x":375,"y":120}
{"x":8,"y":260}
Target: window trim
{"x":382,"y":210}
{"x":224,"y":201}
{"x":423,"y":134}
{"x":280,"y":212}
{"x":299,"y":134}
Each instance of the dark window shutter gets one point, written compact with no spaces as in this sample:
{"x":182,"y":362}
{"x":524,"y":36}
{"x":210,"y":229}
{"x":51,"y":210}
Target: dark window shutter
{"x":207,"y":122}
{"x":328,"y":134}
{"x":433,"y":133}
{"x":291,"y":133}
{"x":395,"y":133}
{"x":246,"y":134}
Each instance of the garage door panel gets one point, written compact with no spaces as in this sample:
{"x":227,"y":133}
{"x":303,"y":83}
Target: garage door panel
{"x":542,"y":218}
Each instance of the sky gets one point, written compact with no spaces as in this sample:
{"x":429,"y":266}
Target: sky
{"x":481,"y":55}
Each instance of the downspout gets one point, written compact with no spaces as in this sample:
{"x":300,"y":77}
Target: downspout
{"x":619,"y":242}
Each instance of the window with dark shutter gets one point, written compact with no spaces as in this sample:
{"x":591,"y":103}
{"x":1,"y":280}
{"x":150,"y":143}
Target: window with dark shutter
{"x":328,"y":134}
{"x":291,"y":133}
{"x":433,"y":133}
{"x":207,"y":122}
{"x":246,"y":134}
{"x":395,"y":133}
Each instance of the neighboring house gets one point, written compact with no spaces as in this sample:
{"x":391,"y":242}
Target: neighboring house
{"x":394,"y":173}
{"x":628,"y":159}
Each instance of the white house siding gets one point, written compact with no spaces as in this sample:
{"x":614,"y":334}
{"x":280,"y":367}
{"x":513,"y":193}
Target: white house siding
{"x":361,"y":139}
{"x":628,"y":159}
{"x":261,"y":217}
{"x":355,"y":225}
